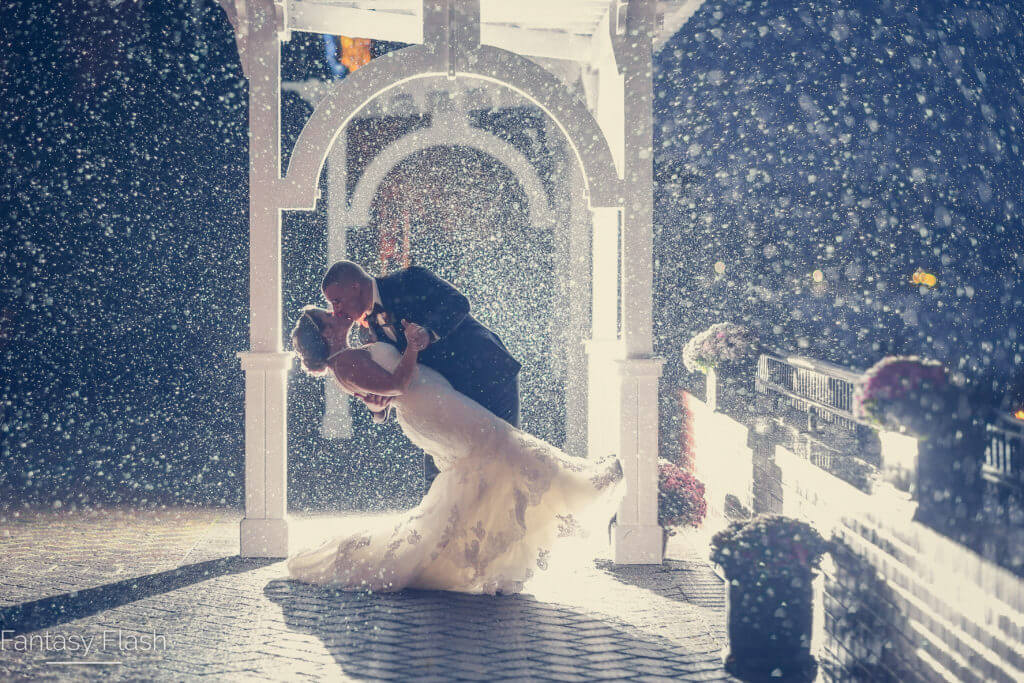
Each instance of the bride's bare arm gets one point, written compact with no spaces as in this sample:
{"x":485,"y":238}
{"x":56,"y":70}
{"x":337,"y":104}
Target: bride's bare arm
{"x":356,"y":369}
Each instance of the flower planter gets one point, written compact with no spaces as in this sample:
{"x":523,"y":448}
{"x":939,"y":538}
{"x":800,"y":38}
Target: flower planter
{"x":770,"y":620}
{"x":949,"y":483}
{"x":905,"y":394}
{"x":681,"y":501}
{"x":899,"y":460}
{"x":770,"y":562}
{"x":729,"y":388}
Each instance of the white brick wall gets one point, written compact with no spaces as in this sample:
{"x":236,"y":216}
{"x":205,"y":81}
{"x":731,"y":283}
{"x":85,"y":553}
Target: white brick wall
{"x":964,"y":611}
{"x":961,"y":617}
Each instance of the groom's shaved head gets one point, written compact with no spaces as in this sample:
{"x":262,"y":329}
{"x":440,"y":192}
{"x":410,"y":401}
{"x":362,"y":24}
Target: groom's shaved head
{"x":348,"y":289}
{"x":344,"y":273}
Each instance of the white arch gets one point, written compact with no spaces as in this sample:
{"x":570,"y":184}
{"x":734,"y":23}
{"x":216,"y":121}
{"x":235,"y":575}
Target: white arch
{"x":621,"y":200}
{"x":298,"y":189}
{"x":446,"y":133}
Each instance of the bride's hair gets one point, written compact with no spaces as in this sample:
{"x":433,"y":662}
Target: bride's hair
{"x":308,"y":341}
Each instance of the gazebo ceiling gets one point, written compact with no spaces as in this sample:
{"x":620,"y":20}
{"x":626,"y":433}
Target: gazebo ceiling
{"x":560,"y":29}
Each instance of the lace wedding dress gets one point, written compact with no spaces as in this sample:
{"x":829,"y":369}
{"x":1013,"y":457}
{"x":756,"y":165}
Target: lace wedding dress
{"x":491,"y":516}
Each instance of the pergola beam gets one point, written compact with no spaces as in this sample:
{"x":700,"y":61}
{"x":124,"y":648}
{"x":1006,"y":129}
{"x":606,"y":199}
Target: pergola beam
{"x":550,"y":13}
{"x":315,"y":17}
{"x":527,"y":29}
{"x":536,"y":42}
{"x":406,"y":26}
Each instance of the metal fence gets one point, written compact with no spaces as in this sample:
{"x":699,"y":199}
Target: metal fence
{"x":813,"y":406}
{"x":822,"y":390}
{"x":1004,"y":451}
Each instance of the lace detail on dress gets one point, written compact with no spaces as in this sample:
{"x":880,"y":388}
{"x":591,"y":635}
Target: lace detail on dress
{"x":542,"y":558}
{"x":609,"y":472}
{"x":568,"y":526}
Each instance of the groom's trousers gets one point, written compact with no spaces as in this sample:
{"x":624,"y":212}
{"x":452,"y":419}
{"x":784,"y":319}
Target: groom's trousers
{"x":501,"y":398}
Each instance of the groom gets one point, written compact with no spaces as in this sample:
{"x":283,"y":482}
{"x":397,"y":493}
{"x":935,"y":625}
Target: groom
{"x":470,"y":356}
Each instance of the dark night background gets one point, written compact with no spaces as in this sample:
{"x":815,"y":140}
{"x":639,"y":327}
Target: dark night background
{"x":864,"y":140}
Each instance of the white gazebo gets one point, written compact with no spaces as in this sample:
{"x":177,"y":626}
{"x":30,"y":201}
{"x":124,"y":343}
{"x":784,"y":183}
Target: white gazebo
{"x":529,"y":49}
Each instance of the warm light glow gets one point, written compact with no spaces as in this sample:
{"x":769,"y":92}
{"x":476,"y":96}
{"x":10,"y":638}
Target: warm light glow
{"x":898,"y":450}
{"x":719,"y":267}
{"x":1019,"y":414}
{"x":921,"y":277}
{"x":355,"y":52}
{"x":817,"y":276}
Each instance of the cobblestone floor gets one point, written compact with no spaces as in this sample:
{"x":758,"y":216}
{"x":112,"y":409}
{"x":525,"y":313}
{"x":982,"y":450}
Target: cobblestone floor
{"x":162,"y":595}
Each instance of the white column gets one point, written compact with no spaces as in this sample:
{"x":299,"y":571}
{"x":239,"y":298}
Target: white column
{"x":573,"y":211}
{"x":264,"y":530}
{"x":604,"y":347}
{"x":337,"y":422}
{"x":638,"y":538}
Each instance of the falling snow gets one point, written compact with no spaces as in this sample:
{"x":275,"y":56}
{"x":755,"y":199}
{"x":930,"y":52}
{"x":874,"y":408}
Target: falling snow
{"x":861,"y":142}
{"x":809,"y":158}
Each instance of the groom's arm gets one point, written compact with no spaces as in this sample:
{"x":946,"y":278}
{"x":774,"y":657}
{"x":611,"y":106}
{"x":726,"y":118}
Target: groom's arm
{"x":441,"y":307}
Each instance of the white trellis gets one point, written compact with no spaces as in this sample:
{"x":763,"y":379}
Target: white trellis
{"x":609,"y":134}
{"x":450,"y":128}
{"x":450,"y":109}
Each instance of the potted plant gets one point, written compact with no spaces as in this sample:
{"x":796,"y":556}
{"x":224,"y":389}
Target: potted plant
{"x":724,"y":351}
{"x":904,"y":394}
{"x":681,"y":500}
{"x":770,"y":563}
{"x":914,"y":397}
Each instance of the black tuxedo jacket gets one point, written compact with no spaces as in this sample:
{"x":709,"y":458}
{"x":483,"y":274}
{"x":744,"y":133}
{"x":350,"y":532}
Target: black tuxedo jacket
{"x":469,"y":355}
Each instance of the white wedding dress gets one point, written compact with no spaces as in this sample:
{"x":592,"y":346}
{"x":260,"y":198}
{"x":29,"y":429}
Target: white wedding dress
{"x":492,"y":515}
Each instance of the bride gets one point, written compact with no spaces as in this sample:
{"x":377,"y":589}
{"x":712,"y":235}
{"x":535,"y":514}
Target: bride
{"x":491,"y":516}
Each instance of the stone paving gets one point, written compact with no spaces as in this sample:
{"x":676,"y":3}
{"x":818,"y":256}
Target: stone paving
{"x":162,"y":595}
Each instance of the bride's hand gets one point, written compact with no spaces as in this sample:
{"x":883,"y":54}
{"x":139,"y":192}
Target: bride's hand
{"x":375,"y":403}
{"x":416,"y":337}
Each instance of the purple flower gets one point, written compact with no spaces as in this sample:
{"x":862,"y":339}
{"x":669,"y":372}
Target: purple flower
{"x":898,"y":392}
{"x":722,"y":342}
